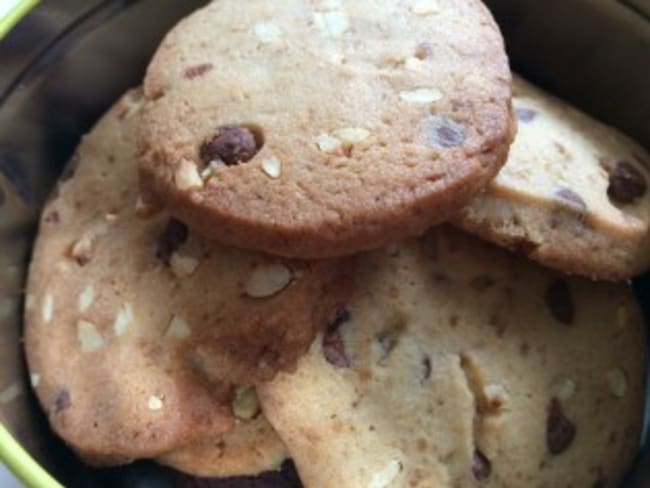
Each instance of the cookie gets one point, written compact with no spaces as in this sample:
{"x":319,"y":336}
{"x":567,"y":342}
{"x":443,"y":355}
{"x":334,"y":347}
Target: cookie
{"x":252,"y":447}
{"x":136,"y":329}
{"x":458,"y":364}
{"x":316,"y":129}
{"x":572,"y":196}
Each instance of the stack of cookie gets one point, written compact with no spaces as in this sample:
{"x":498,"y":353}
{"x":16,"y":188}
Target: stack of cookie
{"x":248,"y":260}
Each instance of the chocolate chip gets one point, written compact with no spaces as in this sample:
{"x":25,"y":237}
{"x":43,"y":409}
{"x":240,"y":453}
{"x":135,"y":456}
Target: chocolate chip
{"x":426,"y":368}
{"x":481,"y":466}
{"x":445,"y":132}
{"x":173,"y":237}
{"x":62,"y":401}
{"x":232,"y":145}
{"x":560,"y":302}
{"x":560,"y":431}
{"x":52,"y":218}
{"x":83,"y":257}
{"x":572,"y":199}
{"x":342,"y":315}
{"x":198,"y":70}
{"x":424,"y":50}
{"x":525,"y":114}
{"x":333,"y":345}
{"x":3,"y":196}
{"x":626,"y":183}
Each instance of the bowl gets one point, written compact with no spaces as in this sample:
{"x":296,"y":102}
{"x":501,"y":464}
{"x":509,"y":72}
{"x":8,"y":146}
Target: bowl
{"x":67,"y":61}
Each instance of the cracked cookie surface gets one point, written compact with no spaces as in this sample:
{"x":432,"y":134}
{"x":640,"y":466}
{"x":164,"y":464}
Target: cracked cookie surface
{"x":458,"y":364}
{"x":573,"y":194}
{"x":137,"y":329}
{"x":318,"y":128}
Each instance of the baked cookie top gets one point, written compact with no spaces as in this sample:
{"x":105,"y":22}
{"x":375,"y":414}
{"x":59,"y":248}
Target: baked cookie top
{"x":321,"y":128}
{"x":251,"y":448}
{"x":136,"y":329}
{"x":573,"y":193}
{"x":458,"y":364}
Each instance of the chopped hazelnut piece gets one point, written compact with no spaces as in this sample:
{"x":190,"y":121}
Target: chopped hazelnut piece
{"x":267,"y":280}
{"x":187,"y":176}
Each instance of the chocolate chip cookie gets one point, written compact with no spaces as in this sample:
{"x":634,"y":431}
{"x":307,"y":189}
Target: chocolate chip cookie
{"x":319,"y":128}
{"x":137,"y":330}
{"x":459,"y":364}
{"x":573,"y":194}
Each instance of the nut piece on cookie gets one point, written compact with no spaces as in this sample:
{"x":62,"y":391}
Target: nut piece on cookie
{"x":333,"y":148}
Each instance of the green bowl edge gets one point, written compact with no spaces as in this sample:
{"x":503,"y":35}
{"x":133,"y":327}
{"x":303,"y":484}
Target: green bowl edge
{"x":24,"y":467}
{"x":22,"y":464}
{"x":14,"y":15}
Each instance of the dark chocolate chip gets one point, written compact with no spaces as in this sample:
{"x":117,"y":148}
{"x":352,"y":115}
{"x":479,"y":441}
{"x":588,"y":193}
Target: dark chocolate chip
{"x":52,"y":218}
{"x":424,"y":50}
{"x":426,"y":368}
{"x":341,"y":316}
{"x":84,"y":257}
{"x":445,"y":133}
{"x":231,"y":144}
{"x":560,"y":301}
{"x":173,"y":237}
{"x":626,"y":183}
{"x":3,"y":196}
{"x":333,"y":345}
{"x":560,"y":431}
{"x":62,"y":401}
{"x":198,"y":70}
{"x":525,"y":114}
{"x":481,"y":466}
{"x":572,"y":199}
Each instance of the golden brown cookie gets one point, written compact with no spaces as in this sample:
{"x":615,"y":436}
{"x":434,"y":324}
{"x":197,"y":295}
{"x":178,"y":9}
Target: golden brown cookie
{"x":136,"y":329}
{"x":573,"y":194}
{"x":251,"y":448}
{"x":457,"y":364}
{"x":318,"y":128}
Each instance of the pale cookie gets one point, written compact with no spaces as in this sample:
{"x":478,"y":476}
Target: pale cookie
{"x":310,"y":128}
{"x":137,"y":329}
{"x":456,"y":364}
{"x":573,"y":194}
